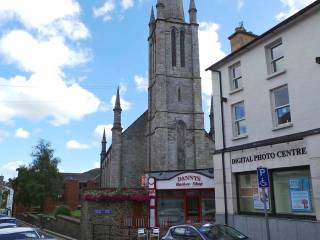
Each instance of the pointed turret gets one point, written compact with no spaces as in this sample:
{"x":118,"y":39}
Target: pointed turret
{"x":117,"y":111}
{"x":212,"y":131}
{"x":192,"y":12}
{"x":170,"y":9}
{"x":152,"y":18}
{"x":103,"y":145}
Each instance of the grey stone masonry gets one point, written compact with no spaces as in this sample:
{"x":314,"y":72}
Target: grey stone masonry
{"x":176,"y":135}
{"x":170,"y":135}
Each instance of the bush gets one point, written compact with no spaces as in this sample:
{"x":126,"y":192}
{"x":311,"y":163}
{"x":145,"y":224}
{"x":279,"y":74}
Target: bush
{"x":62,"y":210}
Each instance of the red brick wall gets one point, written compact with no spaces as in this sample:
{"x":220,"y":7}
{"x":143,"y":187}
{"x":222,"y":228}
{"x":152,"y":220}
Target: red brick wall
{"x":71,"y":193}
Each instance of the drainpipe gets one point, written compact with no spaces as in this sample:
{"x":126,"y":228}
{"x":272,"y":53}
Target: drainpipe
{"x":222,"y":100}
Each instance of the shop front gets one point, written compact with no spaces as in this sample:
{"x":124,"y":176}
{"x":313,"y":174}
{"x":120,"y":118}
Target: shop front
{"x":293,"y":196}
{"x":183,"y":197}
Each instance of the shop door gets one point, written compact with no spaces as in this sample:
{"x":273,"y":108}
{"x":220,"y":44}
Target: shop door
{"x":192,"y":209}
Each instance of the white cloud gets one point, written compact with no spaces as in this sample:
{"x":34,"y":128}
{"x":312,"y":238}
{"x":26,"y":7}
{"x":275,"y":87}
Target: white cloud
{"x":47,"y":55}
{"x":75,"y":145}
{"x":41,"y":49}
{"x":210,"y":52}
{"x":46,"y":16}
{"x":291,"y":7}
{"x":240,"y":4}
{"x":105,"y":10}
{"x":96,"y":165}
{"x":127,"y":4}
{"x":141,"y":83}
{"x":8,"y":170}
{"x":3,"y":135}
{"x":22,"y":133}
{"x":98,"y":131}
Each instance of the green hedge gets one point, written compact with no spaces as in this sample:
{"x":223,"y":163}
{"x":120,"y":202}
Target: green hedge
{"x":62,"y":210}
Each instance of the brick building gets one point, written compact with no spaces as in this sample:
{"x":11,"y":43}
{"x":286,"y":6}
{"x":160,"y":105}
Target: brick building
{"x":75,"y":184}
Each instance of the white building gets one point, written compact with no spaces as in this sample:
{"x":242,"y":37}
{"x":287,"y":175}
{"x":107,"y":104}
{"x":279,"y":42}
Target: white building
{"x":267,"y":113}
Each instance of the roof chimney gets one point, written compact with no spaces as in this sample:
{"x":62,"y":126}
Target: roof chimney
{"x":240,"y":38}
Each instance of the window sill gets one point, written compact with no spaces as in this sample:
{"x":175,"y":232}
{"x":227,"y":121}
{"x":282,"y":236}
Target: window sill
{"x":239,"y":137}
{"x":282,"y":126}
{"x":276,"y":74}
{"x":235,"y":91}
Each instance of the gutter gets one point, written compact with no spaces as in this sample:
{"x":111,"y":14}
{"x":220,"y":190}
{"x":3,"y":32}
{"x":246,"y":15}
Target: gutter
{"x":222,"y":100}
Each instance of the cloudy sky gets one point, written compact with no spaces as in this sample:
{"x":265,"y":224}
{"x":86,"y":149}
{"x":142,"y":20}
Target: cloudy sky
{"x":62,"y":60}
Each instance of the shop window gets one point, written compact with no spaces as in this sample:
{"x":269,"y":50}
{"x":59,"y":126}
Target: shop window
{"x":291,"y":193}
{"x":281,"y":105}
{"x":249,"y":195}
{"x":170,"y":211}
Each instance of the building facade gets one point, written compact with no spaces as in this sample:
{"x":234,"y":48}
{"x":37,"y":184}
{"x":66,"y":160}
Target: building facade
{"x":267,"y":114}
{"x":169,"y":139}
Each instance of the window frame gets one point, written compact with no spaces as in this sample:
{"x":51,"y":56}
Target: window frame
{"x":275,"y":108}
{"x":235,"y":121}
{"x":273,"y":211}
{"x":234,"y":79}
{"x":271,"y":61}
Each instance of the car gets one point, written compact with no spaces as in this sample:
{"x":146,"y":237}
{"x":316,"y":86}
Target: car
{"x":21,"y":233}
{"x":203,"y":232}
{"x":6,"y":220}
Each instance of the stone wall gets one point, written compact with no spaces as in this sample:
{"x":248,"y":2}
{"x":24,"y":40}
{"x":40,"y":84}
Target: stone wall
{"x":99,"y":219}
{"x":65,"y":225}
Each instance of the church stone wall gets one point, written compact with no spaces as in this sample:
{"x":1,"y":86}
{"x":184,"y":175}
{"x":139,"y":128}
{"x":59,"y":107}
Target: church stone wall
{"x":134,"y":153}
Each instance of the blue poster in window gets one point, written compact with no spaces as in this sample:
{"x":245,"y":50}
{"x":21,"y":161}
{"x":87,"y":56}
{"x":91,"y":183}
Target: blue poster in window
{"x":300,"y":194}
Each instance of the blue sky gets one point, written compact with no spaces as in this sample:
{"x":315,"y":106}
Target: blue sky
{"x":61,"y":62}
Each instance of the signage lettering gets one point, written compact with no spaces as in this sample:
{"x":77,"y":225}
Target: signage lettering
{"x":188,"y":181}
{"x":271,"y":155}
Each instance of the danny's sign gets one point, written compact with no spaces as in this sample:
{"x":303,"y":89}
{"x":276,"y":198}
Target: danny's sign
{"x":186,"y":181}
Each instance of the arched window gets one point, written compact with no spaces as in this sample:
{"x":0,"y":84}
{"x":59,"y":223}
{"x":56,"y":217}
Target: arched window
{"x":179,"y":94}
{"x":181,"y":149}
{"x":182,"y":49}
{"x":173,"y":47}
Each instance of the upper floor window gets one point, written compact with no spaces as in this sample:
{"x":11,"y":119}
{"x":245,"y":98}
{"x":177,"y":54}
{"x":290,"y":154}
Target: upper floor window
{"x":239,"y":119}
{"x":182,"y":48}
{"x":281,"y":106}
{"x":276,"y":57}
{"x":235,"y":76}
{"x":173,"y":48}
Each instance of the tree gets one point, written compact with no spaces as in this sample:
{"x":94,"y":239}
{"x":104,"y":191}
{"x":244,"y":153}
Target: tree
{"x":41,"y":180}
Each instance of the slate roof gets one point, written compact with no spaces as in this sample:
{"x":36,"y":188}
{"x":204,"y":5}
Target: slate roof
{"x":91,"y":175}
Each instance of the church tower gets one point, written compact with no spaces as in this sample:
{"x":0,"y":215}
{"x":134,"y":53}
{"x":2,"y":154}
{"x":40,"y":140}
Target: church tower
{"x":115,"y":180}
{"x":175,"y":134}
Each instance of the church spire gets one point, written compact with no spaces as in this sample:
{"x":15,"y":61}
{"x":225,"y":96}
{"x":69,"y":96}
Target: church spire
{"x":212,"y":130}
{"x":192,"y":12}
{"x":170,"y":9}
{"x":152,"y":18}
{"x":117,"y":112}
{"x":103,"y":145}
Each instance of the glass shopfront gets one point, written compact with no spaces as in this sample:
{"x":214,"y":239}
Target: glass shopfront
{"x":185,"y":206}
{"x":291,"y":193}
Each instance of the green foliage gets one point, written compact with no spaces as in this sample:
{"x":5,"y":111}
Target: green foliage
{"x":40,"y":180}
{"x":76,"y":213}
{"x":62,"y":210}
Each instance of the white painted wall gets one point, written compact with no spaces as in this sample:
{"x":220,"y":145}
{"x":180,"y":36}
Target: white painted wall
{"x":301,"y":45}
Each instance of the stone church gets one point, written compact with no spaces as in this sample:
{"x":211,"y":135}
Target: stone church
{"x":169,"y":137}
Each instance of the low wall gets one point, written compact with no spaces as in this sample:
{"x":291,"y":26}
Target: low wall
{"x":61,"y":224}
{"x":65,"y":225}
{"x":280,"y":229}
{"x":103,"y":220}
